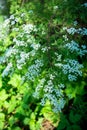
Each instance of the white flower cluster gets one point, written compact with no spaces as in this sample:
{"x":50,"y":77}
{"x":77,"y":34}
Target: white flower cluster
{"x":28,"y":28}
{"x":30,"y":11}
{"x":54,"y":95}
{"x":74,"y":47}
{"x":15,"y":29}
{"x":22,"y":61}
{"x":4,"y":29}
{"x":55,"y":7}
{"x":2,"y":59}
{"x":85,"y":4}
{"x":73,"y":69}
{"x":58,"y":104}
{"x":23,"y":14}
{"x":44,"y":49}
{"x":34,"y":70}
{"x":35,"y":46}
{"x":59,"y":56}
{"x":7,"y":70}
{"x":47,"y":91}
{"x":39,"y":87}
{"x":10,"y":51}
{"x":72,"y":30}
{"x":58,"y":59}
{"x":13,"y":19}
{"x":82,"y":31}
{"x":75,"y":23}
{"x":65,"y":37}
{"x":19,"y":43}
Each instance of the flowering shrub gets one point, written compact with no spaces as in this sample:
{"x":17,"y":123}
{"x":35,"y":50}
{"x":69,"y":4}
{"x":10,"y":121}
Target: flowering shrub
{"x":40,"y":59}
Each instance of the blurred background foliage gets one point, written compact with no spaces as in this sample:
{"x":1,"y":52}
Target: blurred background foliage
{"x":19,"y":110}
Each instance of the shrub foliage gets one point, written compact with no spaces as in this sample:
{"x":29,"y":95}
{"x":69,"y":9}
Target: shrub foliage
{"x":43,"y":67}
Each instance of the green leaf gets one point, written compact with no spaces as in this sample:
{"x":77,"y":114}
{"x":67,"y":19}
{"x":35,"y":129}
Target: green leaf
{"x":5,"y":104}
{"x":0,"y":82}
{"x":2,"y":116}
{"x":16,"y":128}
{"x":12,"y":120}
{"x":69,"y":128}
{"x":76,"y":127}
{"x":15,"y":80}
{"x":3,"y":95}
{"x":1,"y":125}
{"x":74,"y":118}
{"x":49,"y":114}
{"x":63,"y":122}
{"x":12,"y":104}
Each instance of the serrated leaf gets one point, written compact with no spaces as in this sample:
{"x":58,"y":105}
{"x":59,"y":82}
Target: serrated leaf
{"x":15,"y":80}
{"x":3,"y":95}
{"x":12,"y":104}
{"x":12,"y":120}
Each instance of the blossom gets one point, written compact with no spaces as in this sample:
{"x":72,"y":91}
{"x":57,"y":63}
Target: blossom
{"x":74,"y":47}
{"x":12,"y":17}
{"x":73,"y":69}
{"x":35,"y":46}
{"x":7,"y":70}
{"x":75,"y":23}
{"x":71,"y":30}
{"x":33,"y":70}
{"x":85,"y":4}
{"x":28,"y":28}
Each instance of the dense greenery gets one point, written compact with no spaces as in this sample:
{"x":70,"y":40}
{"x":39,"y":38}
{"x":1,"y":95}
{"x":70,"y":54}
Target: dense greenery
{"x":43,"y":68}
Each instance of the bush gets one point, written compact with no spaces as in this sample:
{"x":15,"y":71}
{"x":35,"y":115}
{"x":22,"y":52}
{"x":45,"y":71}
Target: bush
{"x":42,"y":66}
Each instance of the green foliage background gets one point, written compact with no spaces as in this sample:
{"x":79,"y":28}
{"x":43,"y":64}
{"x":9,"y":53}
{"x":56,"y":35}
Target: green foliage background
{"x":19,"y":109}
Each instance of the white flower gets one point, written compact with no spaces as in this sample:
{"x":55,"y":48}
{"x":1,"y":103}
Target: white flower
{"x":7,"y":70}
{"x":33,"y":70}
{"x":61,"y":85}
{"x":10,"y":51}
{"x":44,"y":49}
{"x":85,"y":4}
{"x":72,"y":46}
{"x":35,"y":46}
{"x":71,"y":30}
{"x":6,"y":22}
{"x":15,"y":29}
{"x":11,"y":17}
{"x":55,"y":7}
{"x":73,"y":69}
{"x":72,"y":77}
{"x":83,"y":46}
{"x":64,"y":28}
{"x":23,"y":14}
{"x":65,"y":37}
{"x":30,"y":11}
{"x":13,"y":22}
{"x":28,"y":28}
{"x":2,"y":59}
{"x":75,"y":23}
